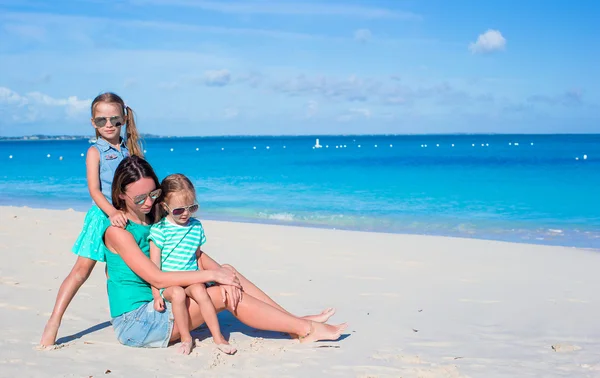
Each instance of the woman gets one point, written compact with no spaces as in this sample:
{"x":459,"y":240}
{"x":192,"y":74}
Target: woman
{"x":131,"y":274}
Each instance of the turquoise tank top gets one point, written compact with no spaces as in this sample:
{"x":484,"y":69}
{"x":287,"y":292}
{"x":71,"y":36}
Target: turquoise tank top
{"x":126,"y":290}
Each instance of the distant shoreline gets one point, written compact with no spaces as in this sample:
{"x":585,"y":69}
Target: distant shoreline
{"x":28,"y":138}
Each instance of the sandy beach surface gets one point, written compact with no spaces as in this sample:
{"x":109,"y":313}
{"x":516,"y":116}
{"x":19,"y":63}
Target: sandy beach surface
{"x":417,"y":306}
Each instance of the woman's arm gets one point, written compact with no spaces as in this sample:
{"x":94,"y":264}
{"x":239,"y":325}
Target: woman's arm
{"x":122,"y":242}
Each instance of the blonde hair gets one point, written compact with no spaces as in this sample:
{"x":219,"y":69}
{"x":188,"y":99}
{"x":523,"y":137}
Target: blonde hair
{"x":176,"y":183}
{"x":133,"y":137}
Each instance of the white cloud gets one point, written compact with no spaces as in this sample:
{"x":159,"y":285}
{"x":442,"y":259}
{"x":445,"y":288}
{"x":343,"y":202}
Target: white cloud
{"x":312,"y":108}
{"x":217,"y":78}
{"x":362,"y":35}
{"x":27,"y":107}
{"x":490,"y":41}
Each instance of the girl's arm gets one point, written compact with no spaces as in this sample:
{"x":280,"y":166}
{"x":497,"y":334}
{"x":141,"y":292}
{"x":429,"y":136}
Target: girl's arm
{"x":92,"y":163}
{"x":122,"y":242}
{"x":155,"y":256}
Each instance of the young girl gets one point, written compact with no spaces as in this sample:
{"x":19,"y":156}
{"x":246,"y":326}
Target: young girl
{"x":175,"y":243}
{"x":109,"y":116}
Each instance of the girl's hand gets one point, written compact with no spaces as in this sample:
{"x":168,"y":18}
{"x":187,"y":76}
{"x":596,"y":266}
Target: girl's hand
{"x":226,"y":276}
{"x":159,"y":304}
{"x":118,"y":219}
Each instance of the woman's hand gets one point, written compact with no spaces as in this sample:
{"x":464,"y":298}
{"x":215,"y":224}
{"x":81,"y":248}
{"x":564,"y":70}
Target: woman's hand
{"x":231,"y":295}
{"x":226,"y":276}
{"x":159,"y":304}
{"x":118,"y":219}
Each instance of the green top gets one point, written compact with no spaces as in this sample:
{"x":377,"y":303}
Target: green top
{"x":126,"y":290}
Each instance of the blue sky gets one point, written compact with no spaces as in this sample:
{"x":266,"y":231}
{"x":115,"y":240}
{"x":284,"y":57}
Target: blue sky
{"x":191,"y":67}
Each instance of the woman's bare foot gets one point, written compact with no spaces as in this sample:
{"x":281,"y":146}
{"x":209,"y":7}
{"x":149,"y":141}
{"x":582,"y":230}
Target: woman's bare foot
{"x":185,"y":347}
{"x":320,"y":331}
{"x":50,"y":332}
{"x":323,"y":317}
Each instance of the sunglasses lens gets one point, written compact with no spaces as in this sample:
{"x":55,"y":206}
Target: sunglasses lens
{"x":193,"y":208}
{"x":139,"y":200}
{"x":100,"y":121}
{"x":178,"y":211}
{"x":116,"y":121}
{"x":155,"y":194}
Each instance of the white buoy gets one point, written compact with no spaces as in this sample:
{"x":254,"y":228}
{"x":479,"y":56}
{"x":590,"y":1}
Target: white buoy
{"x":171,"y":150}
{"x":584,"y":157}
{"x":60,"y":158}
{"x":391,"y":145}
{"x":509,"y":143}
{"x":359,"y":146}
{"x":487,"y":144}
{"x":516,"y":143}
{"x":425,"y":145}
{"x":197,"y":149}
{"x":254,"y":147}
{"x":422,"y":146}
{"x":48,"y":155}
{"x":452,"y":144}
{"x":576,"y":158}
{"x":283,"y":146}
{"x":375,"y":146}
{"x":222,"y":148}
{"x":344,"y":146}
{"x":532,"y":143}
{"x":82,"y":154}
{"x":10,"y":156}
{"x":437,"y":145}
{"x":313,"y":147}
{"x":268,"y":147}
{"x":473,"y":145}
{"x":326,"y":146}
{"x":482,"y":145}
{"x":336,"y":146}
{"x":144,"y":151}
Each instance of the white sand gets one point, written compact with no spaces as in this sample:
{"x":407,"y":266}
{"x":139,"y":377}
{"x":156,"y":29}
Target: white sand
{"x":418,"y":306}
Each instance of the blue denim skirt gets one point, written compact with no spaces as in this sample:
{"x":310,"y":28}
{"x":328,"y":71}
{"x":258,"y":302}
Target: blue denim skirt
{"x":145,"y":327}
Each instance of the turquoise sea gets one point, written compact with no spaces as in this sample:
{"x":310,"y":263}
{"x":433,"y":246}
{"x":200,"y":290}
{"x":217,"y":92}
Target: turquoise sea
{"x":524,"y":188}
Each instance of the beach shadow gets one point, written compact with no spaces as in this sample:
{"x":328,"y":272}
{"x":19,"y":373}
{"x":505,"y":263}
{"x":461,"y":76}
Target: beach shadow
{"x":80,"y":334}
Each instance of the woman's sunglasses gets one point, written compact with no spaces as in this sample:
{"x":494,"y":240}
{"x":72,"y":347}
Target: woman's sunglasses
{"x":116,"y":121}
{"x":141,"y":198}
{"x":178,"y":211}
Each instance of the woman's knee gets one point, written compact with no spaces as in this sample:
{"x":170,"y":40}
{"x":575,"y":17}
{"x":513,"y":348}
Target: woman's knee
{"x":229,"y":267}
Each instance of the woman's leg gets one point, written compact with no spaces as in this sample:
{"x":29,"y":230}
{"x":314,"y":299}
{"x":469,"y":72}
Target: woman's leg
{"x":78,"y":275}
{"x":260,"y":315}
{"x":249,"y":288}
{"x":178,"y":298}
{"x":199,"y":294}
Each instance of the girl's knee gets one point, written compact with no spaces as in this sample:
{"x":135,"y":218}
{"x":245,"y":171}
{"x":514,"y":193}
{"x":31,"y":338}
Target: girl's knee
{"x":198,"y":291}
{"x":175,"y":294}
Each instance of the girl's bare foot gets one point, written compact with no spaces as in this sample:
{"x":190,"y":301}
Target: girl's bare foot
{"x":50,"y":332}
{"x":320,"y":331}
{"x":185,"y":347}
{"x":223,"y":345}
{"x":323,"y":317}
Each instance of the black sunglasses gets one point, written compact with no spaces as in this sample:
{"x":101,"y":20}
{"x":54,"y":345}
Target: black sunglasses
{"x":116,"y":121}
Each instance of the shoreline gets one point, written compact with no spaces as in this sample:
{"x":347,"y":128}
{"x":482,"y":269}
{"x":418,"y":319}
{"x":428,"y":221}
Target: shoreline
{"x":417,"y":306}
{"x":298,"y":224}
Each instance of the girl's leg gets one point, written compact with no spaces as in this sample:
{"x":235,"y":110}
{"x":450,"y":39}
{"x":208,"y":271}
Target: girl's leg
{"x":176,"y":295}
{"x":260,"y":315}
{"x":78,"y":275}
{"x":199,"y":294}
{"x":253,"y":290}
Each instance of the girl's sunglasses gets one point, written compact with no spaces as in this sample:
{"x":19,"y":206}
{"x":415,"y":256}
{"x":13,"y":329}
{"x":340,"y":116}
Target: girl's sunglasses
{"x":178,"y":211}
{"x":116,"y":121}
{"x":141,"y":198}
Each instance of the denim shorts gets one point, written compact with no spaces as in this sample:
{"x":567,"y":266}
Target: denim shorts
{"x":145,"y":327}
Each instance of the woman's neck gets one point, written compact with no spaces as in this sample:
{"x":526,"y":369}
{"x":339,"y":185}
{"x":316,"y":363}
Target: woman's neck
{"x":138,"y":217}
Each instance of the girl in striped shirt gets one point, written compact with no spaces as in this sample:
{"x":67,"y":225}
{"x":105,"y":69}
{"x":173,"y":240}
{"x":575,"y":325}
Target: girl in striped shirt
{"x":175,"y":243}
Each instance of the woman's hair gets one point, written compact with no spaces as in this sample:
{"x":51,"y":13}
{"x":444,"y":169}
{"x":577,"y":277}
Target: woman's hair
{"x":175,"y":184}
{"x":130,"y":170}
{"x":133,"y":137}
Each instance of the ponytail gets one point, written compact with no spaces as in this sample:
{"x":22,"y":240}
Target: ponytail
{"x":133,"y":137}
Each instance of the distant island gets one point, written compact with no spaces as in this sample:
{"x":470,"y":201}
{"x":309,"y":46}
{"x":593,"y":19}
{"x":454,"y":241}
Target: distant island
{"x":61,"y":137}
